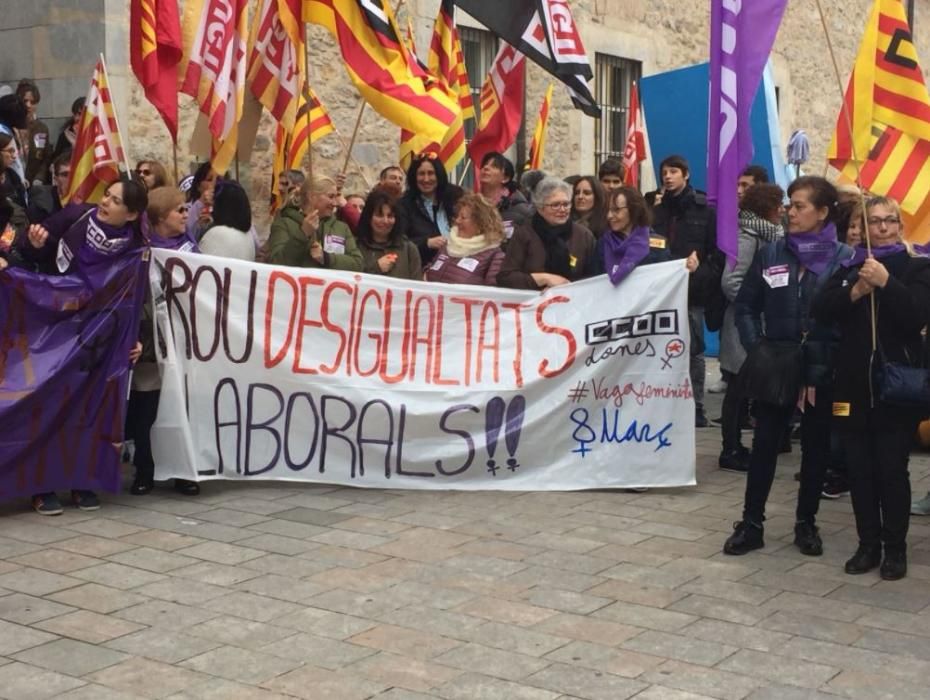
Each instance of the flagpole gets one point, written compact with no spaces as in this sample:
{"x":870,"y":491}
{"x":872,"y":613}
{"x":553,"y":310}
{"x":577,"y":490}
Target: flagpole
{"x":103,"y":62}
{"x":175,"y":157}
{"x":855,"y":159}
{"x":354,"y":162}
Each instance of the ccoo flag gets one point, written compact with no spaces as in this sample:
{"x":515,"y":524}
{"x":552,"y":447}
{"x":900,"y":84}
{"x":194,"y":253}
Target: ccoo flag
{"x":534,"y":160}
{"x":276,"y":58}
{"x":155,"y":52}
{"x":98,"y":148}
{"x":741,"y":37}
{"x":889,"y":109}
{"x":634,"y":152}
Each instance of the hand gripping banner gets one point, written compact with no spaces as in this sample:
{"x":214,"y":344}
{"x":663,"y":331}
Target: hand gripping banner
{"x":319,"y":376}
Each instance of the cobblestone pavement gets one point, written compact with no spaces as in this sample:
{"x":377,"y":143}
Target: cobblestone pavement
{"x":281,"y":591}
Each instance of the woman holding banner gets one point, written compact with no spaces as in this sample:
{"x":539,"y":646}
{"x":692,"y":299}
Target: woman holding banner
{"x":876,"y":421}
{"x":87,"y":238}
{"x":473,"y":254}
{"x":385,"y":249}
{"x":549,"y":249}
{"x":789,"y":359}
{"x":306,"y":233}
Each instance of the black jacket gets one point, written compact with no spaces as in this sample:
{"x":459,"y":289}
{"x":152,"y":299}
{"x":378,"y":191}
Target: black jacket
{"x":658,"y":252}
{"x":420,"y":226}
{"x":903,"y":309}
{"x":783,"y":312}
{"x":690,"y":224}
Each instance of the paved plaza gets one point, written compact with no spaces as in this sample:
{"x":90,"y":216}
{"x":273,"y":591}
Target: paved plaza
{"x":275,"y":590}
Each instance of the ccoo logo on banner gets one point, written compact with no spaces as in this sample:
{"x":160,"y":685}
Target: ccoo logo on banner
{"x":312,"y":375}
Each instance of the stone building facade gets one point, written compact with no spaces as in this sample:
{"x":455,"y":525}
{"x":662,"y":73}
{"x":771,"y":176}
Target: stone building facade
{"x":57,"y":41}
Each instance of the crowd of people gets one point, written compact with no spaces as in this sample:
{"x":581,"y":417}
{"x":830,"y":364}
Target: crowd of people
{"x":795,"y":309}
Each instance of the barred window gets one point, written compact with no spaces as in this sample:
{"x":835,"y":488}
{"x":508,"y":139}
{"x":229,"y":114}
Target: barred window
{"x":479,"y":48}
{"x":613,"y":82}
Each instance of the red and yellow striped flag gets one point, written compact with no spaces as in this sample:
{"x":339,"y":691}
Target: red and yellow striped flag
{"x":377,"y":63}
{"x":154,"y":53}
{"x":214,"y":69}
{"x":446,"y":66}
{"x":276,"y":58}
{"x":538,"y":146}
{"x":98,"y":148}
{"x":889,"y":108}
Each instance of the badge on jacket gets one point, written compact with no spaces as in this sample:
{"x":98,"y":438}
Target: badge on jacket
{"x":841,"y":410}
{"x":572,"y":261}
{"x":657,"y":243}
{"x":334,"y":245}
{"x":776,"y":276}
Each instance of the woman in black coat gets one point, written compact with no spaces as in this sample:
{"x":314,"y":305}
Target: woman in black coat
{"x":428,"y":205}
{"x":877,"y":435}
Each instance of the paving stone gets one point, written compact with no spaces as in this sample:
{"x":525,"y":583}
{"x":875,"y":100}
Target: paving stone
{"x":281,"y":587}
{"x":893,"y":643}
{"x":71,"y":657}
{"x":729,"y":591}
{"x":492,"y":662}
{"x":92,"y":546}
{"x":719,"y":609}
{"x":471,"y":686}
{"x":442,"y":622}
{"x":14,"y":638}
{"x":287,"y":528}
{"x":643,"y":616}
{"x":58,"y":561}
{"x":514,"y":638}
{"x":323,"y":652}
{"x":330,"y":555}
{"x":162,"y":613}
{"x":93,"y":691}
{"x":807,"y":585}
{"x":150,"y":559}
{"x":117,"y":576}
{"x":588,"y":629}
{"x":235,"y":664}
{"x":34,"y":531}
{"x":163,"y":645}
{"x":253,"y":607}
{"x":586,"y":683}
{"x":161,"y":539}
{"x":813,"y":627}
{"x":874,"y":686}
{"x":681,"y":648}
{"x":277,"y":544}
{"x":581,"y":563}
{"x":658,"y":692}
{"x":311,"y":683}
{"x":638,"y":593}
{"x":404,"y":672}
{"x":500,"y":549}
{"x":234,"y":518}
{"x":488,"y":566}
{"x":702,"y":680}
{"x":101,"y":599}
{"x":216,"y":574}
{"x":10,"y":548}
{"x":183,"y":591}
{"x":561,"y":543}
{"x":221,"y":553}
{"x":325,"y":623}
{"x":295,"y":567}
{"x":883,"y":596}
{"x":505,"y":611}
{"x":20,"y":681}
{"x":221,"y":689}
{"x":565,"y":601}
{"x":88,"y":626}
{"x":103,"y":527}
{"x":237,"y":631}
{"x":779,"y":669}
{"x":36,"y":581}
{"x":407,"y":642}
{"x":145,"y":677}
{"x":738,"y":635}
{"x":358,"y":580}
{"x":819,"y":607}
{"x":27,"y":609}
{"x":555,"y":578}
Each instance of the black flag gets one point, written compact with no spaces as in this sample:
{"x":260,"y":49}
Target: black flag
{"x":545,"y":31}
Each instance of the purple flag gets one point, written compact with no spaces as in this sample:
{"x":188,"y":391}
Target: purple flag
{"x":741,"y":37}
{"x":64,"y":369}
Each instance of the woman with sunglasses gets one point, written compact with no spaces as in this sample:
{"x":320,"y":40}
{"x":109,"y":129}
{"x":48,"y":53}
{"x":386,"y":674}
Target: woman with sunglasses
{"x":549,"y":249}
{"x":152,"y":173}
{"x":167,"y":216}
{"x":428,"y":205}
{"x":876,"y":432}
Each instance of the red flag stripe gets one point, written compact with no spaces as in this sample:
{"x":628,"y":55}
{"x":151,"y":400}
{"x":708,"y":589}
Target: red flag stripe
{"x":912,"y":166}
{"x":876,"y":159}
{"x":899,"y":103}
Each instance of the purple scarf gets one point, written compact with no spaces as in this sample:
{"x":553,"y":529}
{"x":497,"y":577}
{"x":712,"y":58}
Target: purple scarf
{"x":922,"y":249}
{"x":622,"y":255}
{"x":814,"y":250}
{"x":878,"y":252}
{"x":90,"y":242}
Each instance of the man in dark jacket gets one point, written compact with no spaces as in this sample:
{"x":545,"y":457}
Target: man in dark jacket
{"x":682,"y":215}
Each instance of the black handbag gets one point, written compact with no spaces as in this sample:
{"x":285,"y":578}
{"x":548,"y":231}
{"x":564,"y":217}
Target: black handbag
{"x":772,"y":372}
{"x":903,"y":384}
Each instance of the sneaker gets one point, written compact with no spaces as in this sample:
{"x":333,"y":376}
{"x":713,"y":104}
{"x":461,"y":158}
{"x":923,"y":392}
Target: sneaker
{"x":141,"y":486}
{"x":85,"y":500}
{"x":717,"y":387}
{"x":921,"y":507}
{"x":746,"y":537}
{"x":807,"y":538}
{"x":734,"y":461}
{"x":835,"y":486}
{"x":47,"y":504}
{"x":700,"y":418}
{"x":894,"y":566}
{"x":864,"y":560}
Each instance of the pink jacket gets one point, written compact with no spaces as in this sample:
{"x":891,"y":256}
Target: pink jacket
{"x":481,"y":268}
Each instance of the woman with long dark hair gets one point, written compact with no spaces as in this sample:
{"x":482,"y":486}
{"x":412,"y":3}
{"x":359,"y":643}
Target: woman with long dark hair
{"x":429,"y":204}
{"x":385,"y":249}
{"x":589,"y":204}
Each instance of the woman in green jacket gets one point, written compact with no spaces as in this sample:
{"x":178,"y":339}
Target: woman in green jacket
{"x":381,"y":239}
{"x":306,"y":233}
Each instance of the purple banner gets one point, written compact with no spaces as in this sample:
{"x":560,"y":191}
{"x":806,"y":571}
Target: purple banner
{"x":741,"y":37}
{"x":64,"y":372}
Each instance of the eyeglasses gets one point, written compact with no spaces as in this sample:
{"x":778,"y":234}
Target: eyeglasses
{"x":10,"y":149}
{"x":888,"y":221}
{"x":558,"y":205}
{"x":144,"y":171}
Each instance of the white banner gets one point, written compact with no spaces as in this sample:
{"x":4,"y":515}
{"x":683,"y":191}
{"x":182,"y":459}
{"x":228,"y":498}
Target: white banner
{"x":361,"y":380}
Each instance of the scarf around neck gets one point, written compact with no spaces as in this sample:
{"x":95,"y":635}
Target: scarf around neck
{"x":555,"y":243}
{"x":814,"y":249}
{"x":459,"y":247}
{"x":437,"y":214}
{"x":92,"y":243}
{"x":878,"y":252}
{"x":622,"y":255}
{"x":754,"y":225}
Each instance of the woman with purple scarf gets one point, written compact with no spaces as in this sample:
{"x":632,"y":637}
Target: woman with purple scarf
{"x":773,"y":314}
{"x":87,"y":239}
{"x":877,"y":435}
{"x":629,"y":241}
{"x":167,"y":216}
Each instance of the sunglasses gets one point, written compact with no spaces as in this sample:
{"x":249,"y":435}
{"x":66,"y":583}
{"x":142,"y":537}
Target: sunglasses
{"x":143,"y":171}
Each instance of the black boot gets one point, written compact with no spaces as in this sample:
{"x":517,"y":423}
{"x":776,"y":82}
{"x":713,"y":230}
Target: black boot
{"x":894,"y":566}
{"x":734,"y":461}
{"x":807,"y":538}
{"x":864,"y":560}
{"x":746,"y":537}
{"x":186,"y":487}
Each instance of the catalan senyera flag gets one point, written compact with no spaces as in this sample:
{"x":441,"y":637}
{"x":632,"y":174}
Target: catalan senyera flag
{"x":291,"y":147}
{"x":501,"y":102}
{"x":98,"y":148}
{"x":446,"y":67}
{"x":214,"y":69}
{"x":276,"y":58}
{"x":634,"y":152}
{"x":534,"y":159}
{"x":155,"y":52}
{"x":889,"y":110}
{"x":378,"y":65}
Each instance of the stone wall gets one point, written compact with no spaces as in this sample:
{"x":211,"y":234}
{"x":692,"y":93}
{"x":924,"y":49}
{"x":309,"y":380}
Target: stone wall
{"x":57,"y":42}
